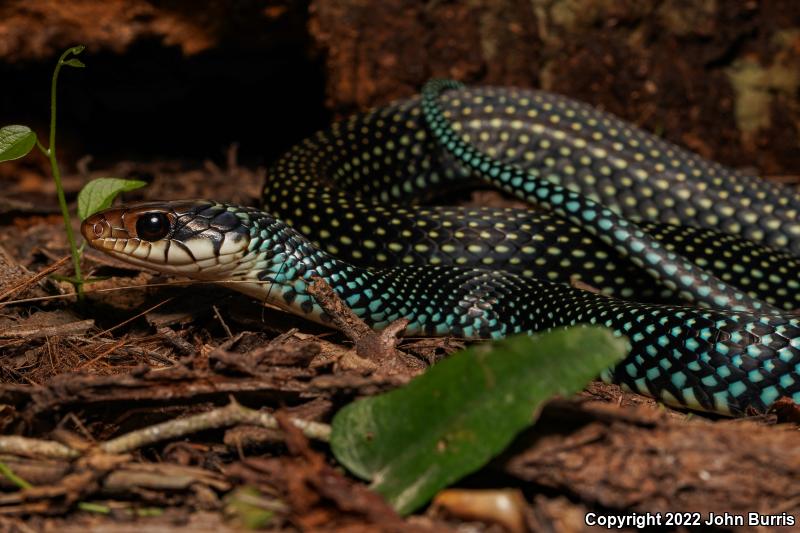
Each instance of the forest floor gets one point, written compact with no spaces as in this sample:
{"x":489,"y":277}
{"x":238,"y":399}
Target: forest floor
{"x":144,"y":349}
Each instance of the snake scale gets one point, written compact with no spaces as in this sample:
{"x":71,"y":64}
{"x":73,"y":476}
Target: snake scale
{"x":693,"y":262}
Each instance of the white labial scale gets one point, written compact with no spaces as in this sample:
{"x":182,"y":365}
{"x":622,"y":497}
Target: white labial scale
{"x":179,"y":257}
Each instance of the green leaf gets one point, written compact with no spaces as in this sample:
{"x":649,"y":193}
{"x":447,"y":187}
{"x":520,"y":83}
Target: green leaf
{"x":99,"y":193}
{"x":75,"y":63}
{"x":15,"y":142}
{"x":416,"y":440}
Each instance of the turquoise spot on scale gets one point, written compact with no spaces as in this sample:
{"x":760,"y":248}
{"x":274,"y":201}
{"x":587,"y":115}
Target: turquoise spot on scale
{"x":652,"y":258}
{"x":694,"y":366}
{"x":709,"y":381}
{"x":769,"y":394}
{"x":737,"y":388}
{"x":678,"y":379}
{"x":652,"y":373}
{"x":755,"y":375}
{"x":691,"y":344}
{"x":787,"y":355}
{"x":721,"y":300}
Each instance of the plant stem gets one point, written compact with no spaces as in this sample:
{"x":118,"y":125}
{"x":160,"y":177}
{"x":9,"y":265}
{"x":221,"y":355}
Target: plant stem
{"x":51,"y":154}
{"x":13,"y":478}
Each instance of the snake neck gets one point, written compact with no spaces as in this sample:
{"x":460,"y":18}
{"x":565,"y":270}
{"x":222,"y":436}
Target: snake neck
{"x":280,"y":264}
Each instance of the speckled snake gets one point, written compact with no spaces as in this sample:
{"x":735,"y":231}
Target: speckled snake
{"x":701,"y":254}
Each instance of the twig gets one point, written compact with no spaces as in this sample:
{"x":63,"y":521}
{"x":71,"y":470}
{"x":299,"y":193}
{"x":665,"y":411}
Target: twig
{"x":222,"y":321}
{"x":37,"y":332}
{"x":25,"y":446}
{"x":27,"y":282}
{"x":375,"y":346}
{"x":343,"y":318}
{"x":176,"y":283}
{"x":226,"y":416}
{"x":131,"y":319}
{"x":230,"y":415}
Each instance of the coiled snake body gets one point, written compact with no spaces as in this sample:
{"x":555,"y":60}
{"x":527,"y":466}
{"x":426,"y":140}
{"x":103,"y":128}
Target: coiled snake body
{"x":626,"y":212}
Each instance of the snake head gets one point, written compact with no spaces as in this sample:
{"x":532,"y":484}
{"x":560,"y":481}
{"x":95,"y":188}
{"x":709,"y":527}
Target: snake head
{"x":195,"y":238}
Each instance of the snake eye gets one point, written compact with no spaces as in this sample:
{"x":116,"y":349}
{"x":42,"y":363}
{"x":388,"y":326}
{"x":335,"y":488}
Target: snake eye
{"x":152,"y":226}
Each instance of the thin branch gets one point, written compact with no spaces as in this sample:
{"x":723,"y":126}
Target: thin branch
{"x":27,"y":447}
{"x":230,"y":415}
{"x":27,"y":282}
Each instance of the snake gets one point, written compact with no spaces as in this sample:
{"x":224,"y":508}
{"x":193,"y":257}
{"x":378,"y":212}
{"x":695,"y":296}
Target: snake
{"x":692,"y":262}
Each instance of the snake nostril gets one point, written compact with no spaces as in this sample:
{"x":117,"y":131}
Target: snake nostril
{"x":95,"y":227}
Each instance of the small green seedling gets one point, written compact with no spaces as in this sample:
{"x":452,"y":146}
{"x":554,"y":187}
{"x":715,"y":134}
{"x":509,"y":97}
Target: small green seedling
{"x":17,"y":141}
